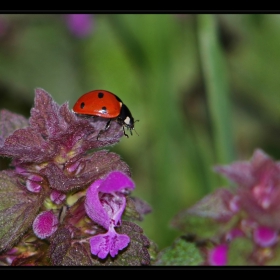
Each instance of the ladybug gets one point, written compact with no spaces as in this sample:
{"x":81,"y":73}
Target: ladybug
{"x":105,"y":104}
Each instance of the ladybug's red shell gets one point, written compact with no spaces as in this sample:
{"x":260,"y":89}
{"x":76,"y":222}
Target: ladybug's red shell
{"x":105,"y":104}
{"x":100,"y":103}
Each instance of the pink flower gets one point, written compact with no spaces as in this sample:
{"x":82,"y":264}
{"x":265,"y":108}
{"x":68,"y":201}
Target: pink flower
{"x":80,"y":25}
{"x":104,"y":204}
{"x":265,"y":236}
{"x":234,"y":233}
{"x":45,"y":224}
{"x":33,"y":183}
{"x":258,"y":187}
{"x":218,"y":255}
{"x":57,"y":197}
{"x":110,"y":242}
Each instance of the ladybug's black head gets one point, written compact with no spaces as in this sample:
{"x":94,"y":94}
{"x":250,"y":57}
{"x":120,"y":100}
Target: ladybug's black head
{"x":125,"y":118}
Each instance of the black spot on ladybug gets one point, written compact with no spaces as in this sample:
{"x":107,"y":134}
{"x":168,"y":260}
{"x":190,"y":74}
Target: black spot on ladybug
{"x":100,"y":94}
{"x":82,"y":105}
{"x":104,"y":109}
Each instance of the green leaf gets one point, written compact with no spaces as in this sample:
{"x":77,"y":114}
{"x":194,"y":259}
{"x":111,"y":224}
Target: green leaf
{"x":180,"y":253}
{"x":217,"y":87}
{"x":135,"y":209}
{"x":18,"y":208}
{"x":209,"y":217}
{"x":239,"y":252}
{"x":275,"y":255}
{"x":199,"y":226}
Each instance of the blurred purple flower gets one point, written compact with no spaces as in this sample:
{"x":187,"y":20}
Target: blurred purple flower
{"x":218,"y":255}
{"x":258,"y":188}
{"x":234,"y":233}
{"x":80,"y":25}
{"x":3,"y":26}
{"x":265,"y":236}
{"x":105,"y":203}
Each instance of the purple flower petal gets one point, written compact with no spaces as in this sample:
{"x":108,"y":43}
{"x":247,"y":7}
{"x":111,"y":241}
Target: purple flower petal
{"x":116,"y":181}
{"x":45,"y":224}
{"x":105,"y":204}
{"x":94,"y":207}
{"x":75,"y":168}
{"x":234,"y":233}
{"x":234,"y":204}
{"x":265,"y":236}
{"x":107,"y":208}
{"x":33,"y":183}
{"x":110,"y":242}
{"x":114,"y":206}
{"x":120,"y":242}
{"x":218,"y":255}
{"x":80,"y":25}
{"x":57,"y":197}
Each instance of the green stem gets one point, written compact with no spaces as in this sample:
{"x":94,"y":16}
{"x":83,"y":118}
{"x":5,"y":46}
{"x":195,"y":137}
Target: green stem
{"x":217,"y":87}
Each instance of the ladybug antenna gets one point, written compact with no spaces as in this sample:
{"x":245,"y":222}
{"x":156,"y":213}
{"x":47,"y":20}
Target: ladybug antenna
{"x":135,"y":131}
{"x":134,"y":128}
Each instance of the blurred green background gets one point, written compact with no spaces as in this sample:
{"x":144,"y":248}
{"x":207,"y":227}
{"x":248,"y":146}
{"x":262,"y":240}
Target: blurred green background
{"x":204,"y":87}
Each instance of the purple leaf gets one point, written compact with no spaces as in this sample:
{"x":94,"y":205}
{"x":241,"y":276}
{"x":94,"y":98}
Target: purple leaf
{"x":136,"y":209}
{"x":26,"y":145}
{"x":89,"y":168}
{"x":9,"y":122}
{"x":215,"y":205}
{"x":18,"y":208}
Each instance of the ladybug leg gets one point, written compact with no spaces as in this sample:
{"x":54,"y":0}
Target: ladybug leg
{"x":106,"y":127}
{"x":124,"y":132}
